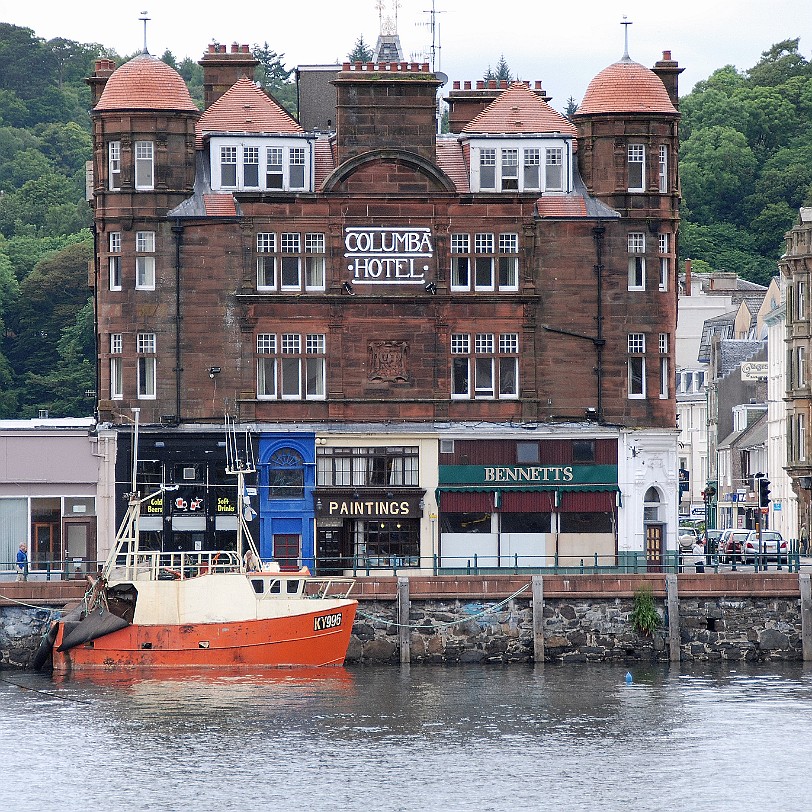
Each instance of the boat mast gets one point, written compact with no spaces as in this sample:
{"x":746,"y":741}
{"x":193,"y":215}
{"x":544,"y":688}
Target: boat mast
{"x":239,"y":465}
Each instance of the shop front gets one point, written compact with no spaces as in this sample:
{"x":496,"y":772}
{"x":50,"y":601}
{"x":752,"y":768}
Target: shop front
{"x":503,"y":516}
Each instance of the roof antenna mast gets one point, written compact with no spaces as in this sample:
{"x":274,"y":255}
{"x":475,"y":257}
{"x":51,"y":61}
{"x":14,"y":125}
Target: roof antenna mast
{"x":626,"y":25}
{"x":144,"y":19}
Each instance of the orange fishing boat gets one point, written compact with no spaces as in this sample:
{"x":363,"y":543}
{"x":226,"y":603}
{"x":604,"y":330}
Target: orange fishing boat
{"x":203,"y":609}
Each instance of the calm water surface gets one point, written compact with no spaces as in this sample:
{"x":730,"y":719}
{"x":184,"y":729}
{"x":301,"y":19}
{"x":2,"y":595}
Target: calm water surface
{"x":419,"y":738}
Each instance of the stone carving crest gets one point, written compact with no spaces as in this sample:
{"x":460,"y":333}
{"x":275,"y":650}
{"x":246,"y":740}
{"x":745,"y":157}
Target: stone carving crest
{"x":387,"y":361}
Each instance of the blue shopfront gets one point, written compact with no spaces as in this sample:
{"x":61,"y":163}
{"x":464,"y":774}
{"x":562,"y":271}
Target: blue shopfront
{"x":286,"y":481}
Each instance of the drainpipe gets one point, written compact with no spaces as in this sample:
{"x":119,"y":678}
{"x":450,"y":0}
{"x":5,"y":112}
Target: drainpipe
{"x":177,"y":230}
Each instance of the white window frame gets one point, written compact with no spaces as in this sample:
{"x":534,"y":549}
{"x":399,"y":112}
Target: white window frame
{"x":636,"y":164}
{"x":114,"y":166}
{"x":114,"y":260}
{"x":637,"y":261}
{"x":460,"y":273}
{"x":144,"y":152}
{"x":515,"y":165}
{"x":664,"y":376}
{"x":266,"y":260}
{"x":484,"y":366}
{"x":290,"y":247}
{"x":116,"y":367}
{"x":801,"y":437}
{"x":255,"y":159}
{"x":663,"y":169}
{"x":554,"y":157}
{"x":665,"y":262}
{"x":291,"y":366}
{"x":145,"y":260}
{"x":315,"y":261}
{"x":800,"y":300}
{"x":636,"y":366}
{"x":800,"y":365}
{"x":147,"y":366}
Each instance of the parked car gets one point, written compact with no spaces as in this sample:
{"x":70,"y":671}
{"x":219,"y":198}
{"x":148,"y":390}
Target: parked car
{"x":711,"y":538}
{"x":771,"y":542}
{"x":687,"y":536}
{"x":731,"y":545}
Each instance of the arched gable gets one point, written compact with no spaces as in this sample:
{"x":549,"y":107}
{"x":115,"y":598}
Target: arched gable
{"x":388,"y":171}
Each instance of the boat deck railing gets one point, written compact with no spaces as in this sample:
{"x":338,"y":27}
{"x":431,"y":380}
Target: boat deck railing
{"x":154,"y":565}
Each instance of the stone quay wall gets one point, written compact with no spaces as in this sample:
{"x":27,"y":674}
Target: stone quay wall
{"x":523,"y":619}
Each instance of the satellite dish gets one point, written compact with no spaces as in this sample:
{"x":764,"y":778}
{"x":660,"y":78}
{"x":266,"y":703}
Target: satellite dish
{"x":442,"y":77}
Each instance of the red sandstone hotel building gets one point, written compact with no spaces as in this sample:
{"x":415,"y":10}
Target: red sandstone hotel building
{"x":449,"y":350}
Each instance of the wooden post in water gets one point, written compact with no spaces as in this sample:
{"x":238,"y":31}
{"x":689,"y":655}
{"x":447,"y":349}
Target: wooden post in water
{"x":672,"y":598}
{"x":404,"y":633}
{"x":806,"y":615}
{"x":538,"y":618}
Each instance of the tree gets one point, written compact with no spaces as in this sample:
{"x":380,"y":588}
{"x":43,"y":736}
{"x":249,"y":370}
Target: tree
{"x":779,"y":63}
{"x":274,"y":78}
{"x":501,"y":73}
{"x":361,"y":51}
{"x":571,"y":108}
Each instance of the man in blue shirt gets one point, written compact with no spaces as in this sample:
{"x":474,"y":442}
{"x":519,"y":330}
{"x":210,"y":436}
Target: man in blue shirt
{"x":22,"y":562}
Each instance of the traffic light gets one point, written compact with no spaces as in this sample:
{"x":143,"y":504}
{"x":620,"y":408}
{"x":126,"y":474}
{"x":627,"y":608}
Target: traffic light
{"x":763,"y":492}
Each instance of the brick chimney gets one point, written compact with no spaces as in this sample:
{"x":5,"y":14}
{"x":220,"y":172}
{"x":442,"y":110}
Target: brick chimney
{"x":387,"y":104}
{"x":222,"y":69}
{"x":102,"y":71}
{"x":669,"y":70}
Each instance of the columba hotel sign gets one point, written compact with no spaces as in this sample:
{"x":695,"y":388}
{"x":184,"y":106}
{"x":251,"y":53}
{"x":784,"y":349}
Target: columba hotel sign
{"x":388,"y":256}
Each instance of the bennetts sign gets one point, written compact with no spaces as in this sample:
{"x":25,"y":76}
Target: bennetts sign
{"x":388,"y":256}
{"x":530,"y":477}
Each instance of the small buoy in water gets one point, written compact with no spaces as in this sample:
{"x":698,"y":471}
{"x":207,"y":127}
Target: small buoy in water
{"x":629,"y":678}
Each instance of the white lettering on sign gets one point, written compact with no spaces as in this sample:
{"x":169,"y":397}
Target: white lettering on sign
{"x":324,"y":622}
{"x":556,"y":473}
{"x":386,"y":256}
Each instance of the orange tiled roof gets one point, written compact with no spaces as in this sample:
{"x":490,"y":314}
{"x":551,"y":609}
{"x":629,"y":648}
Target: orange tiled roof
{"x":220,"y":205}
{"x":626,"y":87}
{"x":324,"y":161}
{"x":246,"y":108}
{"x":450,"y":159}
{"x":145,"y":83}
{"x":561,"y":206}
{"x":519,"y":110}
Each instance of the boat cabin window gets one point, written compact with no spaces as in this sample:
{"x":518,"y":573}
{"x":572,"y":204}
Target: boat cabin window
{"x":293,"y":587}
{"x":276,"y":587}
{"x":258,"y":584}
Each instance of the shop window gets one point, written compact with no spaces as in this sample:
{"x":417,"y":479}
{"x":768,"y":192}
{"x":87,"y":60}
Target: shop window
{"x":465,"y":522}
{"x":380,"y":466}
{"x":525,"y":522}
{"x":389,"y":543}
{"x":585,"y":522}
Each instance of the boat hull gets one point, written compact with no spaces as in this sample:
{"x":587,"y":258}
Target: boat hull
{"x":314,"y":638}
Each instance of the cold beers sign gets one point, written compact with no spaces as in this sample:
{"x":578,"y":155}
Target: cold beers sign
{"x":388,"y":256}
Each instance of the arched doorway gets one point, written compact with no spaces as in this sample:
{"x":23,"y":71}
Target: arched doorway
{"x":654,"y":529}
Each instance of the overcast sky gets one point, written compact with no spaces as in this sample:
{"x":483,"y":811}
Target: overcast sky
{"x":562,"y":44}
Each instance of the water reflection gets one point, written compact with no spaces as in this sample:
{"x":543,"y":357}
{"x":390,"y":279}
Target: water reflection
{"x":401,"y":738}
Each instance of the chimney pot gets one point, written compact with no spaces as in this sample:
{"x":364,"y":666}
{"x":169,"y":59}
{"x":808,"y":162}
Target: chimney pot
{"x":456,"y":84}
{"x":666,"y":56}
{"x":467,"y":86}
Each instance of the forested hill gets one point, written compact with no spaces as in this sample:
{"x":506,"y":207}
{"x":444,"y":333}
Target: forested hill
{"x":746,"y":166}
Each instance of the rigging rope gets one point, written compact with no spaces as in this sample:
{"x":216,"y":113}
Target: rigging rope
{"x":444,"y":625}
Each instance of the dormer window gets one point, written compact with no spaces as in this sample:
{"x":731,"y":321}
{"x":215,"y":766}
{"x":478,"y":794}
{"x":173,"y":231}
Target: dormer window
{"x":257,"y":165}
{"x":516,"y":165}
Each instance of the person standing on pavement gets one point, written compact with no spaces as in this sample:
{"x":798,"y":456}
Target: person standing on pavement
{"x":804,"y":540}
{"x":698,"y":552}
{"x":22,"y":562}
